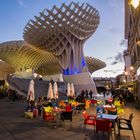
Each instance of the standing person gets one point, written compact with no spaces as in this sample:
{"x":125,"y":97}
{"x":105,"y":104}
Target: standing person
{"x":90,"y":93}
{"x":122,"y":101}
{"x":14,"y":95}
{"x":82,"y":93}
{"x":86,"y":93}
{"x":39,"y":106}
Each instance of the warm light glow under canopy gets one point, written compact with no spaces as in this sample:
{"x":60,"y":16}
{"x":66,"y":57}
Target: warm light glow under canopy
{"x":131,"y":68}
{"x":126,"y":73}
{"x":135,"y":3}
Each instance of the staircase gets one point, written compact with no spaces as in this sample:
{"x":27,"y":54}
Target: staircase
{"x":41,"y":87}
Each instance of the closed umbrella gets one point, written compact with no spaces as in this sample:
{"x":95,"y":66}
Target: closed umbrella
{"x":50,"y":92}
{"x":72,"y":90}
{"x":31,"y":94}
{"x":55,"y":90}
{"x":68,"y":89}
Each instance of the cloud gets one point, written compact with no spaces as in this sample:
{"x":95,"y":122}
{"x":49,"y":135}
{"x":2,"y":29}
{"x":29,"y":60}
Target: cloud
{"x":113,"y":63}
{"x":21,"y":3}
{"x":109,"y":57}
{"x":123,"y":42}
{"x":115,"y":30}
{"x":118,"y":58}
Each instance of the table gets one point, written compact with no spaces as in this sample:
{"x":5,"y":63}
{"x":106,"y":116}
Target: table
{"x":109,"y":116}
{"x":112,"y":118}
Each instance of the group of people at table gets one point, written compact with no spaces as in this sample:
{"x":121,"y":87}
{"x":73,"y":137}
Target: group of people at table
{"x":93,"y":110}
{"x":45,"y":108}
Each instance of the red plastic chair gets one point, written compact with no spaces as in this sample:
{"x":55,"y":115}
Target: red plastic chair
{"x":103,"y":125}
{"x":49,"y":116}
{"x":93,"y":101}
{"x":88,"y":120}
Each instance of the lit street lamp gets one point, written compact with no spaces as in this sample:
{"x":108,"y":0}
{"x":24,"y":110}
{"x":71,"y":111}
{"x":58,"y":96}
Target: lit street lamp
{"x":135,"y":3}
{"x":126,"y":74}
{"x":131,"y":68}
{"x":129,"y":74}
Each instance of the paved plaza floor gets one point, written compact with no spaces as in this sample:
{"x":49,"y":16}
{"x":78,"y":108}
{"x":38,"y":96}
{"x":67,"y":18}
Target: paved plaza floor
{"x":13,"y":126}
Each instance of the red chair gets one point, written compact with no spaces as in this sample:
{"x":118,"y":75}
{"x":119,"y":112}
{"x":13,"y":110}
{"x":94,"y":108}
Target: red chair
{"x":103,"y":125}
{"x":93,"y":101}
{"x":88,"y":119}
{"x":66,"y":115}
{"x":49,"y":117}
{"x":35,"y":112}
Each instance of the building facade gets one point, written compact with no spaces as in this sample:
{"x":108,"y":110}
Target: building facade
{"x":132,"y":35}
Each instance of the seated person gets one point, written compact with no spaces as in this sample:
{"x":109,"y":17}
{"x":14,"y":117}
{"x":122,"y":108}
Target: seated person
{"x":45,"y":101}
{"x":62,"y":104}
{"x":54,"y":103}
{"x":30,"y":106}
{"x":67,"y":115}
{"x":39,"y":106}
{"x":68,"y":107}
{"x":108,"y":94}
{"x":49,"y":103}
{"x":99,"y":109}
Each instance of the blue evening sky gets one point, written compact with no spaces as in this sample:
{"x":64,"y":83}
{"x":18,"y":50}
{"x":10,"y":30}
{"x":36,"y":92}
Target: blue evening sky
{"x":107,"y":43}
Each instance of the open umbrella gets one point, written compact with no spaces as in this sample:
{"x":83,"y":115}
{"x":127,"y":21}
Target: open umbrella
{"x":72,"y":94}
{"x":55,"y":90}
{"x":50,"y":92}
{"x":68,"y":89}
{"x":31,"y":95}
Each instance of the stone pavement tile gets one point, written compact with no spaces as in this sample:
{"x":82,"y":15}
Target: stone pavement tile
{"x":6,"y":135}
{"x":44,"y":132}
{"x":123,"y":137}
{"x":6,"y":138}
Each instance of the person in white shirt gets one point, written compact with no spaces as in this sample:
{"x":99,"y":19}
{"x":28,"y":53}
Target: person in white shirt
{"x":108,"y":94}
